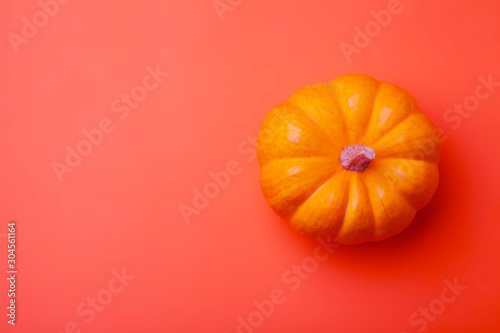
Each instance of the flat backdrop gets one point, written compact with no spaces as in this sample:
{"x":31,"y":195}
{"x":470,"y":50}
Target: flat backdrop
{"x":116,"y":117}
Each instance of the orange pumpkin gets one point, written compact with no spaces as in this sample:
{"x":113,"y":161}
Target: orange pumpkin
{"x":353,"y":159}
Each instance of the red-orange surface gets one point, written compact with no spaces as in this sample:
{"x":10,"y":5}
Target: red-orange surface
{"x":115,"y":118}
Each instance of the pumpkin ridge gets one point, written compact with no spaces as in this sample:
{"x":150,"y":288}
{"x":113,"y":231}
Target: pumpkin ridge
{"x":348,"y":200}
{"x":327,"y":133}
{"x":282,"y":117}
{"x":369,"y":199}
{"x":391,"y":128}
{"x":328,"y":157}
{"x":307,"y":194}
{"x":405,"y":197}
{"x":407,"y":159}
{"x":414,"y":111}
{"x":367,"y":127}
{"x":381,"y":202}
{"x":395,"y":154}
{"x":388,"y":186}
{"x":342,"y":111}
{"x":316,"y":189}
{"x":361,"y":235}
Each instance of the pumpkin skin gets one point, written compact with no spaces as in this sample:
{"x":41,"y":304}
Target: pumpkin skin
{"x":302,"y":177}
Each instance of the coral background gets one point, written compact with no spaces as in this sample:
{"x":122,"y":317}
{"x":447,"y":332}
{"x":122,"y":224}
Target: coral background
{"x":120,"y":207}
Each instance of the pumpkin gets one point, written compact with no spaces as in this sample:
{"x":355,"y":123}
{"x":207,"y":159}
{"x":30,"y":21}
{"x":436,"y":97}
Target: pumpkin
{"x":353,"y":159}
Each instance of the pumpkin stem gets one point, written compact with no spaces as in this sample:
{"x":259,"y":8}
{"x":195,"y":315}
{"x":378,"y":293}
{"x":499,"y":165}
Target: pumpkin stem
{"x":356,"y":157}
